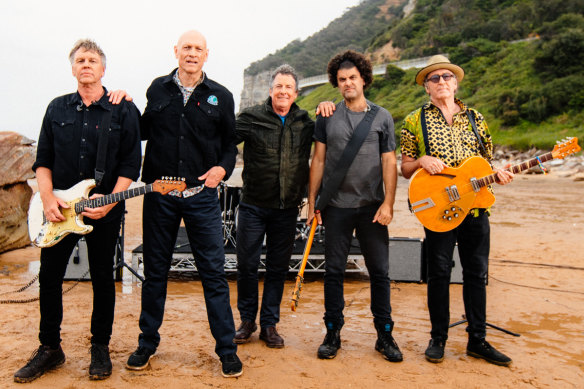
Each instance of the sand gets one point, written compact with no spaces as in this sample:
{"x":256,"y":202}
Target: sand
{"x":535,"y":288}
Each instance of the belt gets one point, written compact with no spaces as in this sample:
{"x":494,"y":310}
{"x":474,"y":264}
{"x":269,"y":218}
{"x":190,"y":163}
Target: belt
{"x":187,"y":192}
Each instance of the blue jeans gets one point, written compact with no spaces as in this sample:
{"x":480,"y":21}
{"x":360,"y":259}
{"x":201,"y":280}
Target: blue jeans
{"x":101,"y":243}
{"x":339,"y":224}
{"x":279,"y":228}
{"x":161,"y":220}
{"x":473,"y":237}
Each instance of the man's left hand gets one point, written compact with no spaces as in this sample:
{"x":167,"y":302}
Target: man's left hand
{"x":115,"y":97}
{"x":213,"y":176}
{"x":99,"y":212}
{"x":504,"y":177}
{"x":384,"y":215}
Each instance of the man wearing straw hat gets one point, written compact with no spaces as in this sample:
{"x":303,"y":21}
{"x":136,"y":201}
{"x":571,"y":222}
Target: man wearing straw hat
{"x":443,"y":133}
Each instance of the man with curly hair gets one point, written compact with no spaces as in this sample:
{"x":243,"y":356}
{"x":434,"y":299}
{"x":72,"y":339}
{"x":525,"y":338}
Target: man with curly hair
{"x":363,"y":201}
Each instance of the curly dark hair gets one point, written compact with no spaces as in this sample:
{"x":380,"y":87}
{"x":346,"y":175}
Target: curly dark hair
{"x":362,"y":64}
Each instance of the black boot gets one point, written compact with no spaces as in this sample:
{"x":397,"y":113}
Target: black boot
{"x":41,"y":361}
{"x":480,"y":348}
{"x":101,"y":364}
{"x":332,"y":342}
{"x":385,"y":343}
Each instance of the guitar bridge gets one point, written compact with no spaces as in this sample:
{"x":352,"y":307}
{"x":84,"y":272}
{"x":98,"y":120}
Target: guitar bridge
{"x":453,"y":194}
{"x":422,"y":205}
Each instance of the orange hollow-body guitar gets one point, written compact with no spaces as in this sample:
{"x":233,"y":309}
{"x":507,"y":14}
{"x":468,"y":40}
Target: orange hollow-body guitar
{"x":442,"y":201}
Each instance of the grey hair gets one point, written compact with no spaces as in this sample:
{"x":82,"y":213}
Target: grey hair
{"x":285,"y":70}
{"x":87,"y":45}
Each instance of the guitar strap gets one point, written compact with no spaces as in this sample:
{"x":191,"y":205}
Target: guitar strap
{"x":104,"y":130}
{"x":473,"y":124}
{"x":349,"y":153}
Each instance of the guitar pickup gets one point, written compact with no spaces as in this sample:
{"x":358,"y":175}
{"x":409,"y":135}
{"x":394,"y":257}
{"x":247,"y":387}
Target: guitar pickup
{"x":453,"y":194}
{"x":421,"y":205}
{"x":475,"y":184}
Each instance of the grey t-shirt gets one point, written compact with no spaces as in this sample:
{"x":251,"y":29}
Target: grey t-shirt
{"x":363,"y":183}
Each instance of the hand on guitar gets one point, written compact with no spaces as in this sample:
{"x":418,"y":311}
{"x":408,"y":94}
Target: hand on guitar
{"x":51,"y":206}
{"x":97,"y":213}
{"x":431,"y":164}
{"x":311,"y":215}
{"x":504,"y":177}
{"x":213,"y":176}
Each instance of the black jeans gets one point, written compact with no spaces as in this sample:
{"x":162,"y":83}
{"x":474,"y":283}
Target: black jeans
{"x":101,"y":243}
{"x":473,"y":237}
{"x":339,"y":224}
{"x":279,"y":228}
{"x":160,"y":223}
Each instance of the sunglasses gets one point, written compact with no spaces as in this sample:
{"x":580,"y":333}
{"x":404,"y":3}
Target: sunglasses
{"x":436,"y":77}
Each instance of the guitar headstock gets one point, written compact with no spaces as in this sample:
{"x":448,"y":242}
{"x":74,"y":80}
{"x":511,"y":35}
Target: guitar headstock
{"x":168,"y":184}
{"x":566,"y":147}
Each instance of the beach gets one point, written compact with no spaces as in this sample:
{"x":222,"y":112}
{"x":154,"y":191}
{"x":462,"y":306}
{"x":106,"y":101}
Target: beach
{"x":535,"y":288}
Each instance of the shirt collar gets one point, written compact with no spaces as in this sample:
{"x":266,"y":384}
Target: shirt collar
{"x":463,"y":106}
{"x":102,"y":102}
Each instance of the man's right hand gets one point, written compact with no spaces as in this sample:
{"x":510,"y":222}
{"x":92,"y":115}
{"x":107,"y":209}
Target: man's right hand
{"x":115,"y":97}
{"x":310,"y":215}
{"x":51,"y":206}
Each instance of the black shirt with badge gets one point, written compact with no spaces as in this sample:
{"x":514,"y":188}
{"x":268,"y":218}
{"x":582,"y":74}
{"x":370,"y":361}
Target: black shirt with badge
{"x":187,"y":140}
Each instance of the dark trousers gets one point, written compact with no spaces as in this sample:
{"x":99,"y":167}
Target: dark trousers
{"x":473,"y":237}
{"x":160,"y":223}
{"x":279,"y":228}
{"x":373,"y":239}
{"x":101,"y":243}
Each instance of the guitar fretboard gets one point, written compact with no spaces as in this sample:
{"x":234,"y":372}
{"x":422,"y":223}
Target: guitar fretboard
{"x":490,"y":179}
{"x":112,"y":198}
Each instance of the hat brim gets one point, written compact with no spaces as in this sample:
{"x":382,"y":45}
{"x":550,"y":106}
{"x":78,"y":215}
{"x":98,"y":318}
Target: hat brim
{"x":457,"y":70}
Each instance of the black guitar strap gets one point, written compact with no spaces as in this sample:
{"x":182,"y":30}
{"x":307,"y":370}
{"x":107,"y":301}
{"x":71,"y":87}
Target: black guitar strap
{"x":349,"y":153}
{"x":473,"y":124}
{"x":104,"y":131}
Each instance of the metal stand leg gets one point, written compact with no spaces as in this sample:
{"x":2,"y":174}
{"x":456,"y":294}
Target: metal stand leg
{"x":120,"y":249}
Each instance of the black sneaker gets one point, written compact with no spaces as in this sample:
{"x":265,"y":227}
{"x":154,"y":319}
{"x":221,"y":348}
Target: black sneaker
{"x":140,"y":359}
{"x":387,"y":346}
{"x":330,"y":345}
{"x":100,"y":367}
{"x":482,"y":349}
{"x":231,"y":366}
{"x":435,"y":351}
{"x":41,"y":361}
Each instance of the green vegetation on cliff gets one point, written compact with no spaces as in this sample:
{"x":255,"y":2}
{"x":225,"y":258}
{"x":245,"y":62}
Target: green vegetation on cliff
{"x":532,"y":92}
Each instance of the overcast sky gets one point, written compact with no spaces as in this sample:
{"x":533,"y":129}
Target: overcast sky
{"x":138,"y":38}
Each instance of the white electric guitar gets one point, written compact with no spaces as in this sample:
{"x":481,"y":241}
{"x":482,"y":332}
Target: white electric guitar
{"x":44,"y":233}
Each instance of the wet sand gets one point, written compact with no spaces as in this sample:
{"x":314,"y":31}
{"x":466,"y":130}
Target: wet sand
{"x":535,"y":288}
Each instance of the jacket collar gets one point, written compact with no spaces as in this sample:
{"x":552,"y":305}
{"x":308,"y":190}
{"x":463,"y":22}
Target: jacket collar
{"x":169,"y":79}
{"x":103,"y":102}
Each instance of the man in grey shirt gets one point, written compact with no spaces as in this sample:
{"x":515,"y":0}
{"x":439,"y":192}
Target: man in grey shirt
{"x":362,"y":203}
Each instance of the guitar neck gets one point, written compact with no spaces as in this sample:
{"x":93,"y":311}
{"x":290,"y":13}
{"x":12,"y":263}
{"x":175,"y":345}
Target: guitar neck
{"x":112,"y":198}
{"x":492,"y":178}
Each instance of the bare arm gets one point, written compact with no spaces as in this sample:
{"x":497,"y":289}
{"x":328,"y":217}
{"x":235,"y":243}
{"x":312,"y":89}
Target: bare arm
{"x":316,"y":173}
{"x":51,"y":203}
{"x":432,"y":165}
{"x":384,"y":214}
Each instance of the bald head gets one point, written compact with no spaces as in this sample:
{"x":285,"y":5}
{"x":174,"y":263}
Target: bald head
{"x":192,"y":35}
{"x":191,"y":52}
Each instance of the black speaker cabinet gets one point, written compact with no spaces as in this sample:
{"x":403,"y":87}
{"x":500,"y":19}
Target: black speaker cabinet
{"x":79,"y":263}
{"x":405,"y":259}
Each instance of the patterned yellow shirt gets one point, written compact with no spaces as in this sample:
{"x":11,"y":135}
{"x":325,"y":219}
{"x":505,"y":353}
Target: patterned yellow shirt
{"x":451,"y":144}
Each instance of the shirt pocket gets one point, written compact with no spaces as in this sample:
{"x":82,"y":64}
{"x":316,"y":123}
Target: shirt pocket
{"x":63,"y":130}
{"x":266,"y":136}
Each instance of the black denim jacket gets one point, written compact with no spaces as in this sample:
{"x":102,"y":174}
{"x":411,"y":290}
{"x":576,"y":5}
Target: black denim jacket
{"x":186,"y":141}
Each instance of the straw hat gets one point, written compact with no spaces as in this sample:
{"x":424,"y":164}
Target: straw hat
{"x":439,"y":62}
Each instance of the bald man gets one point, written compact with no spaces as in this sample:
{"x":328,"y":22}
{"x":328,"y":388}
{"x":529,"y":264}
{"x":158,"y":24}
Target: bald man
{"x":189,"y":126}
